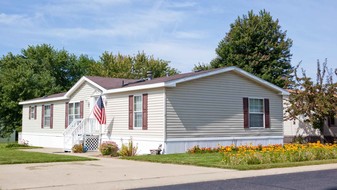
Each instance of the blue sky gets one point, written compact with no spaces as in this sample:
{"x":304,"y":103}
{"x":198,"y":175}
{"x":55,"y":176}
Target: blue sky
{"x":183,"y":32}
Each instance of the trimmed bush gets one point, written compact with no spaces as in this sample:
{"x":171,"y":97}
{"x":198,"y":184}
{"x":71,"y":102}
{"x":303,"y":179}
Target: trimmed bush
{"x":77,"y":148}
{"x":109,"y":148}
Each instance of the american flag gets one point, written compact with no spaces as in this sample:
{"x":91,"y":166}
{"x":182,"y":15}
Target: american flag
{"x":99,"y":111}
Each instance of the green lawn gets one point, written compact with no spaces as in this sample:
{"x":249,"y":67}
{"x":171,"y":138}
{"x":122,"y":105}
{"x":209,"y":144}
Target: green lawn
{"x":214,"y":160}
{"x":14,"y":155}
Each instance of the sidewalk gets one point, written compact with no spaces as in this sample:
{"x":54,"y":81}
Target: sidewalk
{"x":113,"y":173}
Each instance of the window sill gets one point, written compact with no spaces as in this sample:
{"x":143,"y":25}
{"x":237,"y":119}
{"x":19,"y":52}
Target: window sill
{"x":257,"y":128}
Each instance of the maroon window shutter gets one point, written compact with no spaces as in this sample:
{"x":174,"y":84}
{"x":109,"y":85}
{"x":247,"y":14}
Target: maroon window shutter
{"x":130,"y":112}
{"x":30,"y":112}
{"x":145,"y":105}
{"x":245,"y":113}
{"x":42,"y":116}
{"x":51,"y":115}
{"x":81,"y":109}
{"x":266,"y":113}
{"x":66,"y":115}
{"x":35,"y":112}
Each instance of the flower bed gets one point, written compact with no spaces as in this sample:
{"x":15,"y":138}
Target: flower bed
{"x":252,"y":155}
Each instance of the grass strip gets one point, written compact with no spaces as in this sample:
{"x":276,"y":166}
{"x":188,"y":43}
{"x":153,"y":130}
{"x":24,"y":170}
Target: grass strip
{"x":215,"y":160}
{"x":14,"y":155}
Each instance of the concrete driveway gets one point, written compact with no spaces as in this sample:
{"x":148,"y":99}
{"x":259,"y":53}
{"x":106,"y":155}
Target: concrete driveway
{"x":113,"y":173}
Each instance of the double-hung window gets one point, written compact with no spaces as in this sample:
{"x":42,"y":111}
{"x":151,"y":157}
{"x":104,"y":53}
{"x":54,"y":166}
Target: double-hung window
{"x":46,"y":115}
{"x":32,"y":112}
{"x":256,"y":113}
{"x":74,"y":111}
{"x":137,"y":111}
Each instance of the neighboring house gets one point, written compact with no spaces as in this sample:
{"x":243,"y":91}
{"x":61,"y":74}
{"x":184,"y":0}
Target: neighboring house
{"x":221,"y":106}
{"x":299,"y":130}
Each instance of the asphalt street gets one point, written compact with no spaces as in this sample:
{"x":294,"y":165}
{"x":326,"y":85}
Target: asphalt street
{"x":315,"y":180}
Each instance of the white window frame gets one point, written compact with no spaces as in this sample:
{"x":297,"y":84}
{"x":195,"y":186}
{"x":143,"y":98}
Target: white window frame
{"x":46,"y":116}
{"x":32,"y":112}
{"x":74,"y":108}
{"x":263,"y":113}
{"x":134,"y":111}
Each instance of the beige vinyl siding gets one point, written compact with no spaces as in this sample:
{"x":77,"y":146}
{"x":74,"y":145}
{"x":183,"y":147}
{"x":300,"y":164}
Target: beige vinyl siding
{"x":83,"y":93}
{"x":213,"y":107}
{"x":118,"y":114}
{"x":34,"y":125}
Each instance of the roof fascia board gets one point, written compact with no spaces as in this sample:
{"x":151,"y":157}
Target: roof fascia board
{"x":132,"y":88}
{"x":43,"y":100}
{"x":67,"y":95}
{"x":79,"y":83}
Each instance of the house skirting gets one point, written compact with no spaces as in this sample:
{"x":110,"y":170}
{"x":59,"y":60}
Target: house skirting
{"x":144,"y":144}
{"x":180,"y":145}
{"x":43,"y":139}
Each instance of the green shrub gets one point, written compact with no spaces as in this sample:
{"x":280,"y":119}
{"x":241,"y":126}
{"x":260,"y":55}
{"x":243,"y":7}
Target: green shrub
{"x":77,"y":148}
{"x":108,"y":148}
{"x":129,"y":149}
{"x":16,"y":145}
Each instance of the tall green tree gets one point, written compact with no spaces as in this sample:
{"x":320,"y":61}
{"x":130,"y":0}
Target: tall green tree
{"x":256,"y":44}
{"x":131,"y":67}
{"x":38,"y":71}
{"x":315,"y":100}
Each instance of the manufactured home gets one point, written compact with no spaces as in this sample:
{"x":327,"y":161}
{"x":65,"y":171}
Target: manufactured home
{"x":206,"y":108}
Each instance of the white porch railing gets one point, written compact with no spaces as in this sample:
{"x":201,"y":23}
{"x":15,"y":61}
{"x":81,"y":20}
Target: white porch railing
{"x":78,"y":130}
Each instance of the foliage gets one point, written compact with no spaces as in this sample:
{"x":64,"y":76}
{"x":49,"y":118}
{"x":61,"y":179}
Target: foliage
{"x":316,"y":101}
{"x":131,"y":67}
{"x":215,"y":160}
{"x":197,"y":149}
{"x":78,"y":148}
{"x":256,"y":44}
{"x":129,"y":149}
{"x":109,"y":148}
{"x":16,"y":156}
{"x":279,"y":154}
{"x":202,"y":67}
{"x":38,"y":71}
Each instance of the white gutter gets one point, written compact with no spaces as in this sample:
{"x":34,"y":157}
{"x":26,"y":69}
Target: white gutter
{"x":140,"y":87}
{"x":43,"y":100}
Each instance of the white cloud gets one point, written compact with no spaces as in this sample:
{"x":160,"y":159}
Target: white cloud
{"x":14,"y":19}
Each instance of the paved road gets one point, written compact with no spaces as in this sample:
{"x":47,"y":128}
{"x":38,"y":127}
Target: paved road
{"x":112,"y":173}
{"x":314,"y":180}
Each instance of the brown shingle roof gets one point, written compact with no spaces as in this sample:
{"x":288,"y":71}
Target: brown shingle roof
{"x":169,"y":78}
{"x":109,"y":83}
{"x":50,"y":96}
